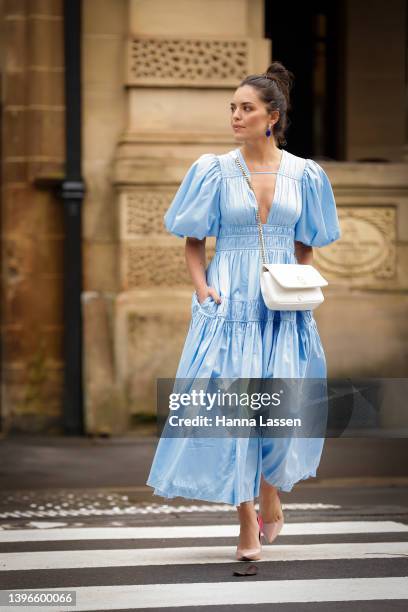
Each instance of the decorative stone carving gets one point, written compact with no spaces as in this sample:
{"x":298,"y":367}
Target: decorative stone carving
{"x":143,"y":211}
{"x":148,"y":266}
{"x":367,"y":249}
{"x":156,"y":61}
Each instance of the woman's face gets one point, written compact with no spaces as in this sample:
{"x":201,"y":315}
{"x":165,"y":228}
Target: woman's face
{"x":249,"y":117}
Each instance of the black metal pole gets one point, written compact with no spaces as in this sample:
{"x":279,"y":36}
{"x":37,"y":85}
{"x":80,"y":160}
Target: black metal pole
{"x":72,"y":194}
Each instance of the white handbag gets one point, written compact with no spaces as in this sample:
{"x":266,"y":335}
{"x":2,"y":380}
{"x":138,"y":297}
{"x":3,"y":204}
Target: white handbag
{"x":287,"y":286}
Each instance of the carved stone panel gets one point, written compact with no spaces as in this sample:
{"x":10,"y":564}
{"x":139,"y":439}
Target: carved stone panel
{"x":366,"y":252}
{"x":162,"y":61}
{"x":142,"y":212}
{"x":150,"y":266}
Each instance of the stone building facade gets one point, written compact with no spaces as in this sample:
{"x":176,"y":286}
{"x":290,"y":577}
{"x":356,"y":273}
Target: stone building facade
{"x":156,"y":82}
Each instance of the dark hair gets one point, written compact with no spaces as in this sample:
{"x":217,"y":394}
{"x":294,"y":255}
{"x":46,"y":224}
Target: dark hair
{"x":274,"y":87}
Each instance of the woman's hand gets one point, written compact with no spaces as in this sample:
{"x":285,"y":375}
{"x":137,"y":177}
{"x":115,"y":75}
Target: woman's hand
{"x":204,"y":293}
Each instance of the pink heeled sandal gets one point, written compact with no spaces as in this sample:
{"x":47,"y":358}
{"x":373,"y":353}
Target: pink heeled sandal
{"x":250,"y":554}
{"x":270,"y":531}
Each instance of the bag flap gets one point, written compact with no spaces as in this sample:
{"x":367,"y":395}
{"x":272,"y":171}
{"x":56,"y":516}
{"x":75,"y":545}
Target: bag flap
{"x":296,"y":276}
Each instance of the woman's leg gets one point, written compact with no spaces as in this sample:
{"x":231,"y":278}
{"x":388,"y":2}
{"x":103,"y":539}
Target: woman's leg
{"x":248,"y":533}
{"x":269,"y":502}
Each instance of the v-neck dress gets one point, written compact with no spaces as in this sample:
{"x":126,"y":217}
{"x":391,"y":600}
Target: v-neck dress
{"x":241,"y":337}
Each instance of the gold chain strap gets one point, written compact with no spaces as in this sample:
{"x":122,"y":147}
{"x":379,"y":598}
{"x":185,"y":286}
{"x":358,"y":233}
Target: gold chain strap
{"x":258,"y":217}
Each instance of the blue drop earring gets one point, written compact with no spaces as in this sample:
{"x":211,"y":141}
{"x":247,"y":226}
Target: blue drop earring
{"x":268,"y":131}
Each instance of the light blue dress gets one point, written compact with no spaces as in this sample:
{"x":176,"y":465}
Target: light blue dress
{"x":241,"y":337}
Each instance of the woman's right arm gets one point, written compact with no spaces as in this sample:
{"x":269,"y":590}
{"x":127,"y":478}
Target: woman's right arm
{"x":196,"y":264}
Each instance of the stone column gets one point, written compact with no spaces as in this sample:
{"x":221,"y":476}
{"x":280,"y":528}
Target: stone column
{"x":104,"y":30}
{"x":32,"y":227}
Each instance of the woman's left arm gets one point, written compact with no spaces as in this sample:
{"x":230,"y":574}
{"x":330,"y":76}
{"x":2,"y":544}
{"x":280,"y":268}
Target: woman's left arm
{"x":303,"y":253}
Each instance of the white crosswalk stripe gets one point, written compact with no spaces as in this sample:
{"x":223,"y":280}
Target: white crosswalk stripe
{"x":187,"y":555}
{"x":49,"y":564}
{"x":134,"y":597}
{"x":191,"y":531}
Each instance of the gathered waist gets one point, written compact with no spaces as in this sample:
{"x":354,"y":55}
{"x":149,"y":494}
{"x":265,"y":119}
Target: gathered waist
{"x":247,"y":237}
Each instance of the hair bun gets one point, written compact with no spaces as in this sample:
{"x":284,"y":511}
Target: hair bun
{"x":283,"y":77}
{"x":273,"y":89}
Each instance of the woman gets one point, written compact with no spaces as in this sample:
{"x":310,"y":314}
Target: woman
{"x":232,"y":333}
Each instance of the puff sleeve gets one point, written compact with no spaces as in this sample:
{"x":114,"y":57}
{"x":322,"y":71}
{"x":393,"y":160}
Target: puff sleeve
{"x":318,"y":224}
{"x":195,"y":209}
